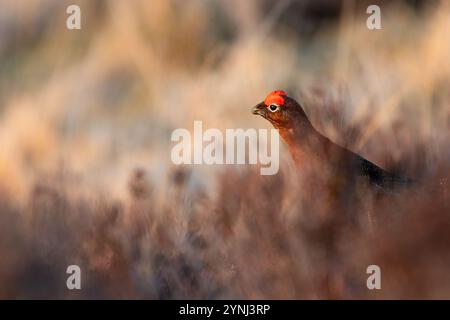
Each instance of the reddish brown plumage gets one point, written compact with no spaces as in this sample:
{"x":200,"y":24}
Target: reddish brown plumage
{"x":310,"y":149}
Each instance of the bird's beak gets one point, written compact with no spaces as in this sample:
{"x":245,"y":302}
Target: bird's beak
{"x":258,"y":109}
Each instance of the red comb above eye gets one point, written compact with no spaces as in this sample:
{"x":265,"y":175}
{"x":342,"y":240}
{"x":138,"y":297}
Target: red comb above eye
{"x":275,"y":97}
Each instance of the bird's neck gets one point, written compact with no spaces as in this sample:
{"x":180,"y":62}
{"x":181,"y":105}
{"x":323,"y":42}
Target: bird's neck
{"x":304,"y":142}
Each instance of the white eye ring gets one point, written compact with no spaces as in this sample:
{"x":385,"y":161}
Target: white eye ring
{"x":273,"y":107}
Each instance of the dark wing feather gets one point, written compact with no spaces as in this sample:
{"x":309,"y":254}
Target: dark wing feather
{"x":379,"y":177}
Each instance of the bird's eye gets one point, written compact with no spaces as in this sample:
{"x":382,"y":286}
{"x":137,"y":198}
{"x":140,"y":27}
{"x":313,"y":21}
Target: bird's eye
{"x":274,"y":107}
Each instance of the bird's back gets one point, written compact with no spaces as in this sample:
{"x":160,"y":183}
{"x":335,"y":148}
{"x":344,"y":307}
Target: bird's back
{"x":377,"y":176}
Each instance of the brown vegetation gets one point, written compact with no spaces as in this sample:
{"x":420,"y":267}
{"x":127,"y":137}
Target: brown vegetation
{"x":85,"y":171}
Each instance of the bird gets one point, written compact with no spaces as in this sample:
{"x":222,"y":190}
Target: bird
{"x":309,"y":148}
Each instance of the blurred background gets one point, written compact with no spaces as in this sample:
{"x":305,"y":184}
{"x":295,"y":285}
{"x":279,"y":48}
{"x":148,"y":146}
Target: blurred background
{"x":85,"y":123}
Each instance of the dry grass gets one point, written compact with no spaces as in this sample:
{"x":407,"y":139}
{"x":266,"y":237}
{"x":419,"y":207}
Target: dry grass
{"x":81,"y":110}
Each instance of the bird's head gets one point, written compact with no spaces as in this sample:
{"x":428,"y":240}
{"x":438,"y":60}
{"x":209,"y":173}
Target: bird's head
{"x":281,"y":110}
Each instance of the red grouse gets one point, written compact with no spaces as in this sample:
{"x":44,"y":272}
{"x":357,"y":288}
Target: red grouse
{"x":309,"y":148}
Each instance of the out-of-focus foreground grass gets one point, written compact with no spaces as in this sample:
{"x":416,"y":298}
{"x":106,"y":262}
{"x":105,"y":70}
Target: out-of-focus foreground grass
{"x":81,"y":110}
